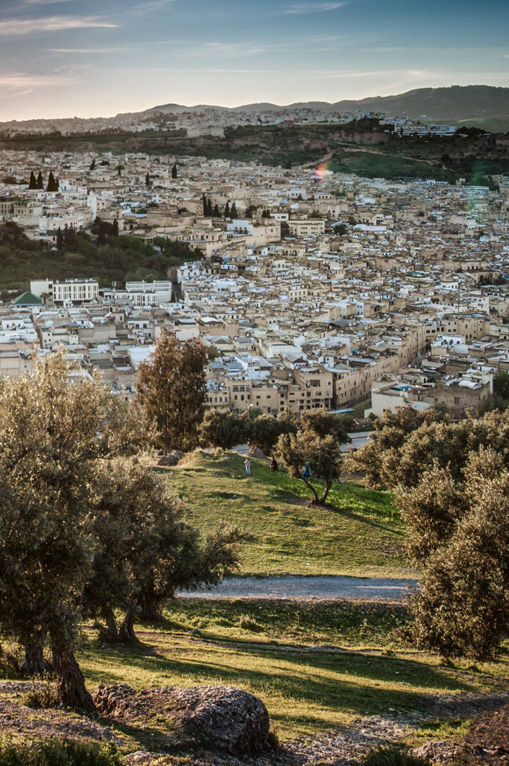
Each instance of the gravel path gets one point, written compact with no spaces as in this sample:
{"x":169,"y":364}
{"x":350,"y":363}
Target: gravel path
{"x":302,"y":586}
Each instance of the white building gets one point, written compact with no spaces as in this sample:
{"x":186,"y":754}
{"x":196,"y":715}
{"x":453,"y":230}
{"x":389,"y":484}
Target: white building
{"x":70,"y":291}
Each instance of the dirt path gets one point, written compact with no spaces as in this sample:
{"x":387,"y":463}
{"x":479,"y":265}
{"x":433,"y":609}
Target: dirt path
{"x":302,"y":586}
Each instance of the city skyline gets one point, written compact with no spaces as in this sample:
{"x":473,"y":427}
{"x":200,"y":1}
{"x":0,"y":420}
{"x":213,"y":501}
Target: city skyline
{"x":61,"y":58}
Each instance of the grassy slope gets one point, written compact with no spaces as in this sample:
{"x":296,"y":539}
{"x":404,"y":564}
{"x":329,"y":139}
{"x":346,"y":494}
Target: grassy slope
{"x":315,"y":664}
{"x":361,"y":668}
{"x":360,"y":534}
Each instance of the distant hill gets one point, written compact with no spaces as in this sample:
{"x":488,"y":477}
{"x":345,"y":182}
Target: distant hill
{"x":482,"y":105}
{"x":456,"y":103}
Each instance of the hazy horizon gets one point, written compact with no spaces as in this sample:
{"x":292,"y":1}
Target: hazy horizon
{"x":65,"y":58}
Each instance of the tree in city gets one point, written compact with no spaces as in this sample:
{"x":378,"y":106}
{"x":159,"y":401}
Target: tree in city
{"x":147,"y":180}
{"x":222,"y":429}
{"x":171,"y":389}
{"x":174,"y":170}
{"x":314,"y":453}
{"x":380,"y":455}
{"x":312,"y":459}
{"x":53,"y":184}
{"x":114,"y":229}
{"x":459,"y":538}
{"x":40,"y":181}
{"x":55,"y":439}
{"x":263,"y":431}
{"x":32,"y":184}
{"x":227,"y":210}
{"x":322,"y":423}
{"x":60,"y":239}
{"x":92,"y":164}
{"x":215,"y":212}
{"x":499,"y":400}
{"x":233,"y":211}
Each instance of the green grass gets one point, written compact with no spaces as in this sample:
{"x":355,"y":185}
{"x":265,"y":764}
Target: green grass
{"x":359,"y":534}
{"x":387,"y":166}
{"x":306,"y":686}
{"x":331,"y":623}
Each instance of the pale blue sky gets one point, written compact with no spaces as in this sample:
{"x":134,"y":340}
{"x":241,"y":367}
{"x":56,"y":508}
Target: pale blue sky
{"x":91,"y":58}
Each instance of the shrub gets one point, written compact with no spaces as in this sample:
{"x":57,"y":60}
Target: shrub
{"x":247,"y":623}
{"x":43,"y":695}
{"x":391,"y":756}
{"x":55,"y":752}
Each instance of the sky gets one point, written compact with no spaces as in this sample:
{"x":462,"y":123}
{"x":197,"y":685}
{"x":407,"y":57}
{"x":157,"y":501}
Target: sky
{"x":61,"y":58}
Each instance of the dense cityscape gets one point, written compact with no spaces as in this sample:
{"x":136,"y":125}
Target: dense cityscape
{"x":254,"y":383}
{"x":315,"y":290}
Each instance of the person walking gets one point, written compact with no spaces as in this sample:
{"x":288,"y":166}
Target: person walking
{"x":247,"y":464}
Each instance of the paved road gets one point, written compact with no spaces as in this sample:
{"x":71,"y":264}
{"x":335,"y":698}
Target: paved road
{"x":302,"y":586}
{"x":359,"y":439}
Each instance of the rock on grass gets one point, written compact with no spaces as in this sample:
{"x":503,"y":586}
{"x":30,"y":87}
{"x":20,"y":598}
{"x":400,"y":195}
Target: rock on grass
{"x":216,"y":717}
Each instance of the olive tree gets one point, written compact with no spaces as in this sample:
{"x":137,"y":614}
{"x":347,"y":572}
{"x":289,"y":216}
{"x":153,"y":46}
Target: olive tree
{"x":323,"y":456}
{"x":52,"y":435}
{"x":146,"y":549}
{"x":459,"y":537}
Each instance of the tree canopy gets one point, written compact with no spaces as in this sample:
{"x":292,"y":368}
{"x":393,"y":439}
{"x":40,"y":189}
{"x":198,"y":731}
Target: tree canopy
{"x":314,"y":452}
{"x":86,"y":528}
{"x":171,"y":389}
{"x":118,"y":258}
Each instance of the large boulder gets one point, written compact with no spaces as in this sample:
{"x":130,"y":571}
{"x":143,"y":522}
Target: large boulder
{"x":211,"y":717}
{"x":222,"y":717}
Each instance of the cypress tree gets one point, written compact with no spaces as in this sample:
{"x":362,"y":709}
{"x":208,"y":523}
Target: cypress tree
{"x":40,"y":182}
{"x":215,"y":212}
{"x":60,"y":239}
{"x":52,"y":183}
{"x":227,"y":210}
{"x":234,"y":213}
{"x":101,"y":234}
{"x":174,"y":171}
{"x":33,"y":181}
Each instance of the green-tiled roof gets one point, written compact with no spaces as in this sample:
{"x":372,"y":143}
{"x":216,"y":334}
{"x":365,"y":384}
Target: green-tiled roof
{"x":28,"y":299}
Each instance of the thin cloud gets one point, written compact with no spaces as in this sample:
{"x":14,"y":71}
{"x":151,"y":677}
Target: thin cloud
{"x":22,"y":80}
{"x":46,"y":2}
{"x":22,"y":27}
{"x":88,"y":50}
{"x":301,"y":8}
{"x":151,"y":5}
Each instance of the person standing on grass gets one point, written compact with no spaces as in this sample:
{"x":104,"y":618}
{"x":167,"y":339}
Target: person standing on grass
{"x":247,"y":463}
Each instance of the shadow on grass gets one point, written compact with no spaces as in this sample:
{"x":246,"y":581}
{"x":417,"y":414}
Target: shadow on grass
{"x":312,"y":677}
{"x":149,"y":738}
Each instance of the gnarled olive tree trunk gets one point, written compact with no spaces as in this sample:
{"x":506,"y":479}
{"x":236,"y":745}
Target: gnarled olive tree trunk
{"x":70,"y":681}
{"x":109,"y":633}
{"x":126,"y":631}
{"x":34,"y":663}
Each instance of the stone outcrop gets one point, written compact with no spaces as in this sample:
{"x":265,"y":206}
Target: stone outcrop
{"x":215,"y":717}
